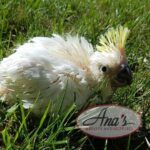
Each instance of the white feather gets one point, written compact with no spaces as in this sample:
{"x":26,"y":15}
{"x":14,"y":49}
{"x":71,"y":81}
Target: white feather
{"x":43,"y":69}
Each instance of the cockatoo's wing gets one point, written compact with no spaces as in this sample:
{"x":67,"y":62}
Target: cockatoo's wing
{"x":74,"y":49}
{"x":43,"y":67}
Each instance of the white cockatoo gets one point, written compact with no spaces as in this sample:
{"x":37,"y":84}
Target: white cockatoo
{"x":67,"y":67}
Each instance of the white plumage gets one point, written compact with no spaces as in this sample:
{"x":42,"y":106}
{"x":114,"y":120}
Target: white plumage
{"x":46,"y":69}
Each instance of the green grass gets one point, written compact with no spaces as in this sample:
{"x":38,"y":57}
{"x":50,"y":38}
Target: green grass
{"x":20,"y":20}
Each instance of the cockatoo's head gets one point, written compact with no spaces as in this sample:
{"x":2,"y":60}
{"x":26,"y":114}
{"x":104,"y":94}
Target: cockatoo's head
{"x":109,"y":61}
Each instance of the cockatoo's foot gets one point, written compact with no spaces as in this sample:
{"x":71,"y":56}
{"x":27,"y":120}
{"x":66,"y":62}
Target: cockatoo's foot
{"x":5,"y":94}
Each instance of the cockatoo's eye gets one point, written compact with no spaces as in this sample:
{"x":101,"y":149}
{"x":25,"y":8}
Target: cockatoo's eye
{"x":104,"y":69}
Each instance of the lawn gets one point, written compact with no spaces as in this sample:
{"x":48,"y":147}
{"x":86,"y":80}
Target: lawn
{"x":22,"y":20}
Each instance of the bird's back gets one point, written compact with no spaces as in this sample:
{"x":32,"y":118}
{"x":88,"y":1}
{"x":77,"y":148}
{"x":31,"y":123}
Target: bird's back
{"x":43,"y":68}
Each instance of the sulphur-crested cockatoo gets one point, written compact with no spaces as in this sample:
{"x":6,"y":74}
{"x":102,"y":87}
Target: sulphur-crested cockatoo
{"x":67,"y":67}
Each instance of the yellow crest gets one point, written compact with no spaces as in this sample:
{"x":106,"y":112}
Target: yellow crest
{"x":114,"y":38}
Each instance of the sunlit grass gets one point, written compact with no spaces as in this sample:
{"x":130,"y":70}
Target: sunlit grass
{"x":22,"y":20}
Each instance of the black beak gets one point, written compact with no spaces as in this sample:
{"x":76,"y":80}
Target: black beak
{"x":124,"y":77}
